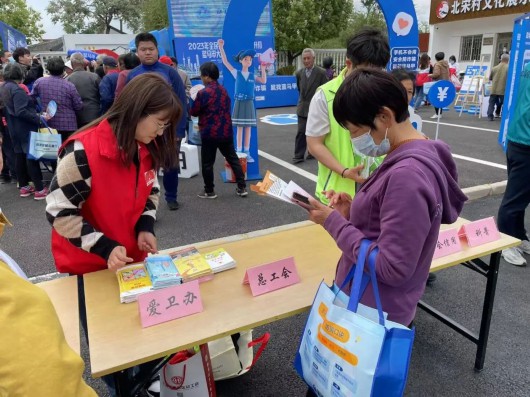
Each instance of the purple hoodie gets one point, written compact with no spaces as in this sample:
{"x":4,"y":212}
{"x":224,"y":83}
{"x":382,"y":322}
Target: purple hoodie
{"x":400,"y":209}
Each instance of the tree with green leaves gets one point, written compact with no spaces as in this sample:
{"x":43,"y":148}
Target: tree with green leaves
{"x":95,"y":16}
{"x":19,"y":15}
{"x":299,"y":23}
{"x":155,"y":15}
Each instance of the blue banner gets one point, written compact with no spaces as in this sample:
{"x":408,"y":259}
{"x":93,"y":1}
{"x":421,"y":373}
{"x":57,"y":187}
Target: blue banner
{"x":519,"y":58}
{"x":89,"y":55}
{"x":11,"y":38}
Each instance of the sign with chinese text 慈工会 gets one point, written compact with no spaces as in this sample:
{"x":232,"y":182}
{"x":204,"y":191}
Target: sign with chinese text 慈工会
{"x":272,"y":276}
{"x":170,"y":303}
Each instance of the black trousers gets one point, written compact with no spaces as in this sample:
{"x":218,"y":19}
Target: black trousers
{"x":209,"y":150}
{"x":300,"y":143}
{"x":9,"y":156}
{"x":517,"y":196}
{"x":496,"y":101}
{"x":28,"y":170}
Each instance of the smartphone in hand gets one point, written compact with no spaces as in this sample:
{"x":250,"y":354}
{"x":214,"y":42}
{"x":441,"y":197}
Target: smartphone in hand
{"x":302,"y":201}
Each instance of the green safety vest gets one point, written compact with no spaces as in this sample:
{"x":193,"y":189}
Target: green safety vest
{"x":339,"y":144}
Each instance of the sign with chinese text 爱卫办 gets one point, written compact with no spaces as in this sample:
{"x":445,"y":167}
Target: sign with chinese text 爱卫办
{"x":170,"y":303}
{"x":480,"y":232}
{"x":272,"y":276}
{"x":448,"y":243}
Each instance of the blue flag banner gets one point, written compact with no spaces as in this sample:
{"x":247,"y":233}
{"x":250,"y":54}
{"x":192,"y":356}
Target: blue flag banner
{"x":89,"y":55}
{"x":11,"y":38}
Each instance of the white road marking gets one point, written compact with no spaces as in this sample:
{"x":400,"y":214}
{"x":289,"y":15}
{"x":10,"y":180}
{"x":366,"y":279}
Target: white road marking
{"x":462,"y":126}
{"x":290,"y":167}
{"x":478,"y":161}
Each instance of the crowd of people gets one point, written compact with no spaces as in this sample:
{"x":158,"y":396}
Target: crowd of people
{"x":120,"y":128}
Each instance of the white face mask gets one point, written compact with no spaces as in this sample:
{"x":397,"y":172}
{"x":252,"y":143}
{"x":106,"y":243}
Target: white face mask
{"x":365,"y":145}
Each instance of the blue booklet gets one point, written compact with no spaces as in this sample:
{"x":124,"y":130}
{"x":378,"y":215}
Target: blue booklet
{"x":162,"y":271}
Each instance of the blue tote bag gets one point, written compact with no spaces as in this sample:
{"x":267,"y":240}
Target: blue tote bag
{"x":349,"y":349}
{"x":45,"y":144}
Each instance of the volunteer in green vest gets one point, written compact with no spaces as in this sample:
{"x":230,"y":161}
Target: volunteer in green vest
{"x":339,"y":168}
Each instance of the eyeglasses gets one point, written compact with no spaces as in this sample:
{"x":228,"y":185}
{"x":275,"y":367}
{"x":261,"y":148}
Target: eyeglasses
{"x":159,"y":125}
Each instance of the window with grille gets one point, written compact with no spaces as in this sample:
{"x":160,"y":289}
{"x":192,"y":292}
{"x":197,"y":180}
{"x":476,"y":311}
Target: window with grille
{"x":470,"y":48}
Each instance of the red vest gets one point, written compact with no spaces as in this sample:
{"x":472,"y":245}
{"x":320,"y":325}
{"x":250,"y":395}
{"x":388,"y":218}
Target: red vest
{"x":117,"y":199}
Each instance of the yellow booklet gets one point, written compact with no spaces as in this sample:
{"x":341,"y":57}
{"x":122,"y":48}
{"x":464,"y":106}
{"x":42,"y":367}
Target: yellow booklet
{"x":190,"y":263}
{"x":133,"y":281}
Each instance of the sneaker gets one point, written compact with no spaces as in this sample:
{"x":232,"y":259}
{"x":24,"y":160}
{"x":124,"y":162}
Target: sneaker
{"x":250,"y":159}
{"x":27,"y":191}
{"x":513,"y":256}
{"x":242,"y":192}
{"x":524,"y":247}
{"x":154,"y":389}
{"x":41,"y":194}
{"x":431,"y":279}
{"x":173,"y":205}
{"x":297,"y":160}
{"x":207,"y":195}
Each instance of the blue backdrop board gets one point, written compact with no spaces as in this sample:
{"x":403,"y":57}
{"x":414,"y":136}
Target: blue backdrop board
{"x":11,"y":38}
{"x":403,"y":34}
{"x":519,"y":58}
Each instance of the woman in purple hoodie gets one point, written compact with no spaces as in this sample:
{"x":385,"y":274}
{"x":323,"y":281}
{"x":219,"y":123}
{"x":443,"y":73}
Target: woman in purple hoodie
{"x":402,"y":204}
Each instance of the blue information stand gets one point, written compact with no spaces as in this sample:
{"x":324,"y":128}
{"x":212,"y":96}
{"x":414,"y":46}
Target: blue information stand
{"x":519,"y":57}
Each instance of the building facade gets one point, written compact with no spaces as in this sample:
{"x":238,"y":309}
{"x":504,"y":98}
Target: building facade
{"x":476,"y":32}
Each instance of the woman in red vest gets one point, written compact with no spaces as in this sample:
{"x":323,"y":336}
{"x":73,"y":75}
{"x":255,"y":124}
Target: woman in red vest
{"x":103,"y":198}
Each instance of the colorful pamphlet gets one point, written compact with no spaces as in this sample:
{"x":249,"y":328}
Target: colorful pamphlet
{"x":274,"y":186}
{"x":220,"y":260}
{"x":162,"y":271}
{"x":133,"y":280}
{"x":191,"y":264}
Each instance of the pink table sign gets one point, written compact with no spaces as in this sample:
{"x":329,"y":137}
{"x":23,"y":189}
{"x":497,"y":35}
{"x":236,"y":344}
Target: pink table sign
{"x":448,"y":243}
{"x":480,"y":232}
{"x":170,"y":303}
{"x":272,"y":276}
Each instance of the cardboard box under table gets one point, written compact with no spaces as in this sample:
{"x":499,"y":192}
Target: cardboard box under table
{"x":117,"y":340}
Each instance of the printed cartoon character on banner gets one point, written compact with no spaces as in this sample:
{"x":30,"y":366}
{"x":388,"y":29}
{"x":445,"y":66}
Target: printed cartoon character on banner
{"x":244,"y":113}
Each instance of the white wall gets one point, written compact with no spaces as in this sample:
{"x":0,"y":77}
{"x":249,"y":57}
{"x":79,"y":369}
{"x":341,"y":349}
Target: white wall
{"x":116,"y":42}
{"x":446,"y":36}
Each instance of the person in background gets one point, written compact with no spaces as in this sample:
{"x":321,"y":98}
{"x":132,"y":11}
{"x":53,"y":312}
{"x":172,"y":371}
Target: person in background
{"x":4,"y":57}
{"x":107,"y":87}
{"x":422,"y":77}
{"x":440,"y":72}
{"x":146,"y":45}
{"x":498,"y":77}
{"x":68,"y":69}
{"x":454,"y":67}
{"x":339,"y":166}
{"x":32,"y":70}
{"x":308,"y":79}
{"x":212,"y":107}
{"x":121,"y":64}
{"x":511,"y":217}
{"x":87,"y":85}
{"x":130,"y":61}
{"x":63,"y":93}
{"x":22,"y":118}
{"x":327,"y":64}
{"x":7,"y":170}
{"x":29,"y":324}
{"x":98,"y":67}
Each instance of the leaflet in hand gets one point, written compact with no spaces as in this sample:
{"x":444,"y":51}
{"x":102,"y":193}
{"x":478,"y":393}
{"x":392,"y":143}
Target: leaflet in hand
{"x":274,"y":186}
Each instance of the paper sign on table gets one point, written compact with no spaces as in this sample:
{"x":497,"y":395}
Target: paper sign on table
{"x":480,"y":232}
{"x":272,"y":276}
{"x":170,"y":303}
{"x":448,"y":243}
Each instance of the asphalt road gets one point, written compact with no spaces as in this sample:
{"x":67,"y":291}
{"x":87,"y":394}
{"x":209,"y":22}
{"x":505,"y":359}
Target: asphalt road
{"x":442,"y":360}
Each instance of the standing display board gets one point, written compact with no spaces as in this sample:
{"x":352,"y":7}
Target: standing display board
{"x":519,"y":58}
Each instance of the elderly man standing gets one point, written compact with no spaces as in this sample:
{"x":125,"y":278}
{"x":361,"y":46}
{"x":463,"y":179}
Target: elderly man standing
{"x":87,"y":85}
{"x":498,"y":76}
{"x":308,"y":79}
{"x":107,"y":87}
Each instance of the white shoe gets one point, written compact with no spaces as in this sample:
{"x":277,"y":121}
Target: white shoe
{"x":513,"y":256}
{"x":434,"y":116}
{"x":524,"y":247}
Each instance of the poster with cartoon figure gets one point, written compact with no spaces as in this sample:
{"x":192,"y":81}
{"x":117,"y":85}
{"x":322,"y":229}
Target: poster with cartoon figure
{"x":244,"y":111}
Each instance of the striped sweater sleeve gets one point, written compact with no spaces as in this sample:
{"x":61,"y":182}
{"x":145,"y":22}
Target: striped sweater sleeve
{"x":147,"y":220}
{"x":69,"y":189}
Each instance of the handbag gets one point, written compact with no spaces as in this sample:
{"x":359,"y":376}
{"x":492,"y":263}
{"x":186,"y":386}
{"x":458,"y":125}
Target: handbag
{"x":233,"y":355}
{"x":187,"y":375}
{"x":44,"y":144}
{"x":350,"y":349}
